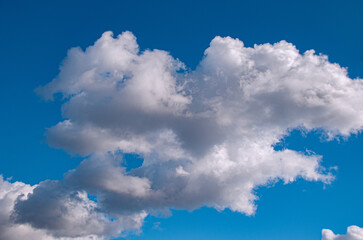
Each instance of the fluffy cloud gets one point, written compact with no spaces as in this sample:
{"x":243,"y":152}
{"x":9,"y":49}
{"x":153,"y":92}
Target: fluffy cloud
{"x":51,"y":211}
{"x":119,"y":98}
{"x":353,"y":233}
{"x":206,"y":136}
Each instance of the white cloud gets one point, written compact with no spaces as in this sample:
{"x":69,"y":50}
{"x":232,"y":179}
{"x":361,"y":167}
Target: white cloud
{"x":51,"y":212}
{"x":353,"y":233}
{"x":206,"y":135}
{"x":10,"y":193}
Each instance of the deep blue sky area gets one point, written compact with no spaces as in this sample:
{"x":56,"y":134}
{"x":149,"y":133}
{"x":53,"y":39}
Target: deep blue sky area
{"x":35,"y":37}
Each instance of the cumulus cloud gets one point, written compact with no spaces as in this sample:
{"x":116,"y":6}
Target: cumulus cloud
{"x":51,"y":211}
{"x":353,"y":233}
{"x":206,"y":136}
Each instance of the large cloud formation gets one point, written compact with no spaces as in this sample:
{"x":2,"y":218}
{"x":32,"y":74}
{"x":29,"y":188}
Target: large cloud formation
{"x":206,"y":136}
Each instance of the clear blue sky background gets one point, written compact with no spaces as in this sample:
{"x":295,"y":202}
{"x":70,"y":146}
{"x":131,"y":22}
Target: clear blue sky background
{"x":35,"y":36}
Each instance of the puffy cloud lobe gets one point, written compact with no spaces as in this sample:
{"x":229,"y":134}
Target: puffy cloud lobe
{"x":10,"y":193}
{"x":275,"y":86}
{"x":103,"y":71}
{"x":206,"y":136}
{"x":68,"y":213}
{"x":51,"y":211}
{"x":353,"y":233}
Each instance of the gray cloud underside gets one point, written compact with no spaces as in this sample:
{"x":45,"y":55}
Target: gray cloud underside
{"x":206,"y":135}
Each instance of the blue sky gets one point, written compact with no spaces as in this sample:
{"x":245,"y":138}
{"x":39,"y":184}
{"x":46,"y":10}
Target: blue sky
{"x":35,"y":38}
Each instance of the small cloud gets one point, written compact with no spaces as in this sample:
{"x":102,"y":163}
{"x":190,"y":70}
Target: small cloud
{"x":353,"y":233}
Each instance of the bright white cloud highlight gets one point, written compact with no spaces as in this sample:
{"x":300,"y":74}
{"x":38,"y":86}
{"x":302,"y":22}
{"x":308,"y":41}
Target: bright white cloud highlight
{"x":206,"y":136}
{"x":353,"y":233}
